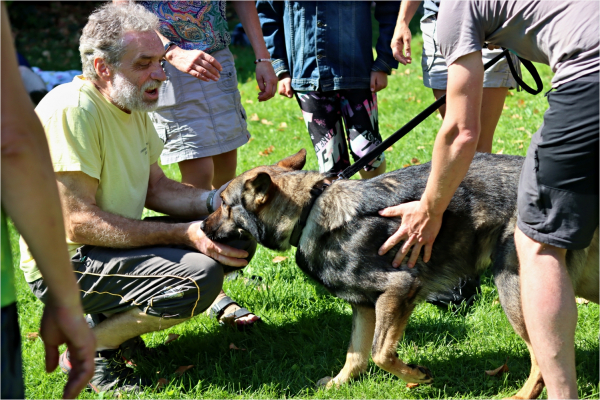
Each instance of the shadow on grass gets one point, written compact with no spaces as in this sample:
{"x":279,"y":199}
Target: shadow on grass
{"x":289,"y":357}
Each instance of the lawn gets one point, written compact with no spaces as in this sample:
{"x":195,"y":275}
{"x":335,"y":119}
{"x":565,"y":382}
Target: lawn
{"x":306,"y":330}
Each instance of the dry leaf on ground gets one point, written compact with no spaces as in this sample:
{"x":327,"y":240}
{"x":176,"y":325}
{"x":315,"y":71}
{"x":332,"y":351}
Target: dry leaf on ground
{"x":254,"y":117}
{"x":521,"y":103}
{"x":439,"y":116}
{"x":407,"y":71}
{"x":283,"y":125}
{"x":249,"y":101}
{"x":279,"y":259}
{"x":498,"y":371}
{"x":501,"y":151}
{"x":171,"y":337}
{"x":412,"y":385}
{"x":266,"y":151}
{"x":33,"y":335}
{"x":266,"y":122}
{"x":296,"y":138}
{"x":415,"y":161}
{"x":580,"y":300}
{"x":251,"y":139}
{"x":179,"y":371}
{"x":162,"y":382}
{"x":234,"y":347}
{"x":421,"y":148}
{"x":389,"y":149}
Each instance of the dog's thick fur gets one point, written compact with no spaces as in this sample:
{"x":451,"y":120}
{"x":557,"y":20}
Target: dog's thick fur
{"x":344,"y":231}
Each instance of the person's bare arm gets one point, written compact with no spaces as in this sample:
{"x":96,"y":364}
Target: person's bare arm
{"x":402,"y":36}
{"x":453,"y":152}
{"x":30,"y":198}
{"x":86,"y":223}
{"x":265,"y":74}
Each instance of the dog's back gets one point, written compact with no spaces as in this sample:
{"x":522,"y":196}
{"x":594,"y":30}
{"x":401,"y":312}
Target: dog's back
{"x":340,"y":243}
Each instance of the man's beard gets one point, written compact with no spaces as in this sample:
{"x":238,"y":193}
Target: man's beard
{"x":127,"y":95}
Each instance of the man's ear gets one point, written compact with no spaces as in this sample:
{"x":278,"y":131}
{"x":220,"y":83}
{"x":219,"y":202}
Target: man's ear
{"x":256,"y":189}
{"x":102,"y":69}
{"x":295,"y":162}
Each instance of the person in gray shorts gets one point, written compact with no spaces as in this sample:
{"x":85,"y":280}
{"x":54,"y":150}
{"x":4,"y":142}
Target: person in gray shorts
{"x":558,"y":191}
{"x":497,"y":80}
{"x":135,"y":276}
{"x":200,"y":117}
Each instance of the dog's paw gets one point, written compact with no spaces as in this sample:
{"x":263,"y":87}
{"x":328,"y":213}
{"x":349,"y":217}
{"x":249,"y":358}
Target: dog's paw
{"x":326,"y":382}
{"x":420,"y":374}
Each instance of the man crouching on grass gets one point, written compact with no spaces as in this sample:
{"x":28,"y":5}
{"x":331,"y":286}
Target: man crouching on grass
{"x":135,"y":276}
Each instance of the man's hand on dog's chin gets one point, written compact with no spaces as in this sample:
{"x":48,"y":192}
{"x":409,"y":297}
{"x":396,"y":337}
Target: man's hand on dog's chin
{"x":419,"y":228}
{"x":222,"y":253}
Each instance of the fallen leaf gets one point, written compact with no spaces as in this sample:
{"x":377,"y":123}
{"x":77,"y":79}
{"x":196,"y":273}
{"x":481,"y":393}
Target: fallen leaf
{"x":421,"y":148}
{"x":266,"y":122}
{"x":498,"y":371}
{"x":407,"y":72}
{"x":420,"y":77}
{"x":300,"y":118}
{"x":516,"y":116}
{"x":412,"y":385}
{"x":536,"y":111}
{"x":496,"y":302}
{"x":505,"y":107}
{"x":389,"y":149}
{"x":180,"y":371}
{"x":418,"y":100}
{"x":283,"y":125}
{"x":249,"y":101}
{"x":520,"y":146}
{"x":162,"y":382}
{"x":251,"y":139}
{"x":415,"y":161}
{"x":521,"y":103}
{"x":171,"y":337}
{"x":439,"y":116}
{"x":234,"y":347}
{"x":501,"y":151}
{"x":32,"y":336}
{"x":296,"y":138}
{"x":254,"y":117}
{"x":393,"y":72}
{"x":406,"y":165}
{"x":510,"y":93}
{"x":580,"y":300}
{"x":249,"y":80}
{"x":266,"y":151}
{"x":279,"y":259}
{"x":521,"y":128}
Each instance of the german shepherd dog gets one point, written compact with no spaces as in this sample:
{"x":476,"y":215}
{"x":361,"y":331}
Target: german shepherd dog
{"x":339,"y":243}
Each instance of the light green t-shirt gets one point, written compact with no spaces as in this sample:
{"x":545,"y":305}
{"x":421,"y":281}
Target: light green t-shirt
{"x":7,"y":277}
{"x":87,"y":133}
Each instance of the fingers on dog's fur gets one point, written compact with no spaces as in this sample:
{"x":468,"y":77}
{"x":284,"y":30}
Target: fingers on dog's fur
{"x":357,"y":358}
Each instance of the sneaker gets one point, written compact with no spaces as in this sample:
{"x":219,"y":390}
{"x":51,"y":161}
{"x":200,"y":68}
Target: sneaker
{"x":110,"y":373}
{"x":130,"y":349}
{"x":461,"y":296}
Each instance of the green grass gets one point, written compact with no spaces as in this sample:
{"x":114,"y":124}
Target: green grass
{"x":306,"y":330}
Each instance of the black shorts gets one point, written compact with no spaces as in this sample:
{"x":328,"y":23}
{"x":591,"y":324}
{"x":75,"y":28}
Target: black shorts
{"x":558,"y":190}
{"x":12,"y":364}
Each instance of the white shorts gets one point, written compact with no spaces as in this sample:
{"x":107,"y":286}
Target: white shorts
{"x":435,"y":71}
{"x":197,"y":119}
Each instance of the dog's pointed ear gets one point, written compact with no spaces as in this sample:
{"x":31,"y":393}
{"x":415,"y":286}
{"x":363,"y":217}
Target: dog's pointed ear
{"x":295,"y":162}
{"x":256,"y":189}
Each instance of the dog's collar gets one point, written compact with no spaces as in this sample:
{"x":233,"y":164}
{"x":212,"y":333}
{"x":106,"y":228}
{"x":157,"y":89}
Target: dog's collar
{"x":315,"y":192}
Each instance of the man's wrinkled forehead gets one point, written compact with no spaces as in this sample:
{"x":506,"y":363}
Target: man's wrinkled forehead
{"x":142,"y":45}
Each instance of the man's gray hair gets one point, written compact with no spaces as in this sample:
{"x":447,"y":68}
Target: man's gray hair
{"x":102,"y":36}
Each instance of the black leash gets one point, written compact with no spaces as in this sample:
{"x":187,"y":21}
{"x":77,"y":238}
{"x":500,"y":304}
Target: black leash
{"x":400,"y":133}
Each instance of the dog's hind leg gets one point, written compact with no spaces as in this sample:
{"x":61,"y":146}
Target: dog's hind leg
{"x":392,"y":312}
{"x":357,"y":358}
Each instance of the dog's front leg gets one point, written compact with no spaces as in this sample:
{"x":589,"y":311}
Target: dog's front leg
{"x":392,"y":312}
{"x":357,"y":358}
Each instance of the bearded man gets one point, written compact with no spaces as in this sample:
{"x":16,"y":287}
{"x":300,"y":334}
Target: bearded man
{"x":136,"y":276}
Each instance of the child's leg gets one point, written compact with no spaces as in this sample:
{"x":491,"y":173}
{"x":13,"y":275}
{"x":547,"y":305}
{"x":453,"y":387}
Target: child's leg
{"x":324,"y":123}
{"x":359,"y":110}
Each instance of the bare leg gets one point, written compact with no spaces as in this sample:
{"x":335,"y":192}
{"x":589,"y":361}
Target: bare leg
{"x":492,"y":104}
{"x":550,"y":313}
{"x":198,"y":172}
{"x":120,"y":327}
{"x":373,"y":173}
{"x":226,"y":164}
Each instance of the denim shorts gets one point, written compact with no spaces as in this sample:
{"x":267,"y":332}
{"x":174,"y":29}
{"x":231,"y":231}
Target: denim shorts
{"x":558,"y":190}
{"x":197,"y":119}
{"x":435,"y":71}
